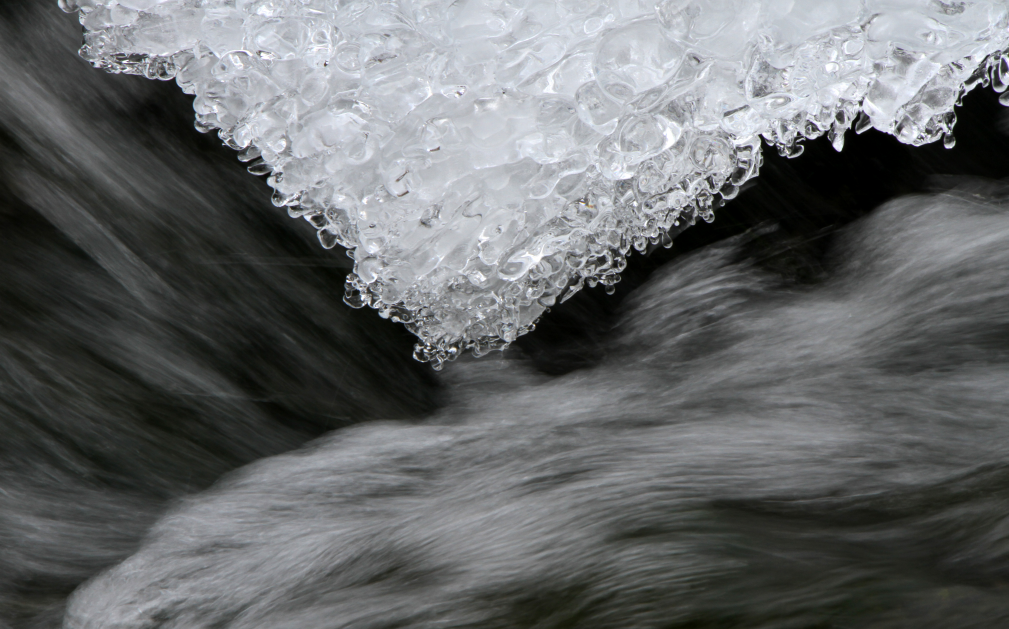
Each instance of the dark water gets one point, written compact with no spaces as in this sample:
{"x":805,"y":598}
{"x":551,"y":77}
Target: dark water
{"x":793,"y":419}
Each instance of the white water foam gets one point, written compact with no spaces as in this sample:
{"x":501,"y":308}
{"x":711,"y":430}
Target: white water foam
{"x":482,"y":159}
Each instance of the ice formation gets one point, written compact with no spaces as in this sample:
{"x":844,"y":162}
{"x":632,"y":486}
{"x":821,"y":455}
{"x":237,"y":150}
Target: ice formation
{"x":482,"y":159}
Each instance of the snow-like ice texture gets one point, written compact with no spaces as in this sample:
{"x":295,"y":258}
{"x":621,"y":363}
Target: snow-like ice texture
{"x":482,"y":159}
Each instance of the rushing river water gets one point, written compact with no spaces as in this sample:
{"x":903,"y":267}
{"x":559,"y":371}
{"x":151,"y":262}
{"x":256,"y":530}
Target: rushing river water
{"x":793,"y":418}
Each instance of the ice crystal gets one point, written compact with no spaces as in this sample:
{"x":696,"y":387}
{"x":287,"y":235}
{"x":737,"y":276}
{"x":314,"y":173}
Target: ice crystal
{"x":482,"y":159}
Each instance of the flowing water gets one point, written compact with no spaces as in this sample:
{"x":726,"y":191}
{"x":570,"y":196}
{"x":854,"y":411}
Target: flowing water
{"x":793,"y":418}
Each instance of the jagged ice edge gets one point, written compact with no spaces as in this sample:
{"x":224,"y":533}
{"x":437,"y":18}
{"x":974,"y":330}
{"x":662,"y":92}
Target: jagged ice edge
{"x":691,"y":199}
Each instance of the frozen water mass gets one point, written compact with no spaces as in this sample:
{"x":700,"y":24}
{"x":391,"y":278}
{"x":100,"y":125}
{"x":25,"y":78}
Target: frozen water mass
{"x":481,"y":160}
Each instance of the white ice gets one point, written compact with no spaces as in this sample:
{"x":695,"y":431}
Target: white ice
{"x":482,"y":159}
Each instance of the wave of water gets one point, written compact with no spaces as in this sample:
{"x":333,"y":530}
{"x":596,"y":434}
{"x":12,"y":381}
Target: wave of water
{"x":749,"y":454}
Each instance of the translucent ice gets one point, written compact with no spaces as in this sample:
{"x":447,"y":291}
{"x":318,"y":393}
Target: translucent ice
{"x":482,"y":159}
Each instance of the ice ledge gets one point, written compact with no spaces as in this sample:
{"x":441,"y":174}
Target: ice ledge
{"x":483,"y":160}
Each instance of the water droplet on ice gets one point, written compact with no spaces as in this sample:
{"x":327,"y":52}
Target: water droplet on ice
{"x":327,"y":238}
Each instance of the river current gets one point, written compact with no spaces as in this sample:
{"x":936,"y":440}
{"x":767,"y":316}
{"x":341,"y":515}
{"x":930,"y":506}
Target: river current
{"x":794,"y":417}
